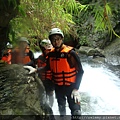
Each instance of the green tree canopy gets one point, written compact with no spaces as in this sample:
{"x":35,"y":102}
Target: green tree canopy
{"x":37,"y":17}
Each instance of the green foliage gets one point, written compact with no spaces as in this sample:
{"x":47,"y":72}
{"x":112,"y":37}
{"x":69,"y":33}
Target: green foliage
{"x":103,"y":17}
{"x":84,"y":41}
{"x":97,"y":17}
{"x":99,"y":22}
{"x":37,"y":17}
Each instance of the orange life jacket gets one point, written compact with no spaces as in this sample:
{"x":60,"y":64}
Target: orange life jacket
{"x":21,"y":58}
{"x":7,"y":57}
{"x":42,"y":63}
{"x":61,"y":71}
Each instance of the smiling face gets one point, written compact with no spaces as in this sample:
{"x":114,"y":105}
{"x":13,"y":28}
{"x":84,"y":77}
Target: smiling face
{"x":57,"y":40}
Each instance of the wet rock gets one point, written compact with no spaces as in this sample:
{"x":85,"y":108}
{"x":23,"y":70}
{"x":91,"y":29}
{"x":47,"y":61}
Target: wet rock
{"x":89,"y":51}
{"x":21,"y":93}
{"x":92,"y":54}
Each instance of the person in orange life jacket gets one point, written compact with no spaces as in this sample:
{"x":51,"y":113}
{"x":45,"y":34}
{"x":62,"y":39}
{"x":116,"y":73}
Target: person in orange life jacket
{"x":67,"y":73}
{"x":45,"y":46}
{"x":7,"y":54}
{"x":22,"y":54}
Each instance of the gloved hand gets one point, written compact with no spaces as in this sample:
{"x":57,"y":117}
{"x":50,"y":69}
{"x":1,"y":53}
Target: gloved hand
{"x":32,"y":70}
{"x":76,"y":96}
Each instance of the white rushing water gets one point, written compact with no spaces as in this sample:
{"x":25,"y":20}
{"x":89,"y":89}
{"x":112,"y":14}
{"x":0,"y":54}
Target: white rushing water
{"x":102,"y":95}
{"x":99,"y":85}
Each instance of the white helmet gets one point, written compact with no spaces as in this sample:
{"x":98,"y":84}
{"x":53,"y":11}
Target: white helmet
{"x":9,"y":46}
{"x":23,"y":39}
{"x":55,"y":31}
{"x":46,"y":44}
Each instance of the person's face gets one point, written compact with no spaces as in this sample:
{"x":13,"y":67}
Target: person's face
{"x":23,"y":44}
{"x":56,"y":40}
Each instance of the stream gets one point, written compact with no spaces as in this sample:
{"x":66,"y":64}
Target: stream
{"x":100,"y":91}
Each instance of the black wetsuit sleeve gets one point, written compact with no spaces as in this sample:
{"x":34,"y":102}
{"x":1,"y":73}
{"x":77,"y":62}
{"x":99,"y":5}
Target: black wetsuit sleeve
{"x":79,"y":75}
{"x":47,"y":67}
{"x":32,"y":63}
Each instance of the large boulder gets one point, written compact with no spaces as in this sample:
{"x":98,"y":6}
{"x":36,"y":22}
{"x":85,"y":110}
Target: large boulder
{"x":110,"y":54}
{"x":92,"y":54}
{"x":89,"y":51}
{"x":21,"y":93}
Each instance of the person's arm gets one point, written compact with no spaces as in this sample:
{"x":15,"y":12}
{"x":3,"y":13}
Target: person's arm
{"x":40,"y":69}
{"x":31,"y":63}
{"x":47,"y":67}
{"x":75,"y":61}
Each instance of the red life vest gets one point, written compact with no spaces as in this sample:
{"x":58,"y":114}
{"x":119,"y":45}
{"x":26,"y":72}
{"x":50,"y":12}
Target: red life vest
{"x":7,"y":57}
{"x":41,"y":62}
{"x":21,"y":58}
{"x":61,"y":71}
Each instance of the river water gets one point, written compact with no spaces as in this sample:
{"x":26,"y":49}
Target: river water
{"x":99,"y":89}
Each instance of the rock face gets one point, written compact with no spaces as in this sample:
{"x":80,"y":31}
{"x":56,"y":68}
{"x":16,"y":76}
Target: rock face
{"x":8,"y":10}
{"x":21,"y":93}
{"x":112,"y":52}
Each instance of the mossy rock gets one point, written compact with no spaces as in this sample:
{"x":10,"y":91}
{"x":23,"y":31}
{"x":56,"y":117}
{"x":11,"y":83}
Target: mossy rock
{"x":21,"y":93}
